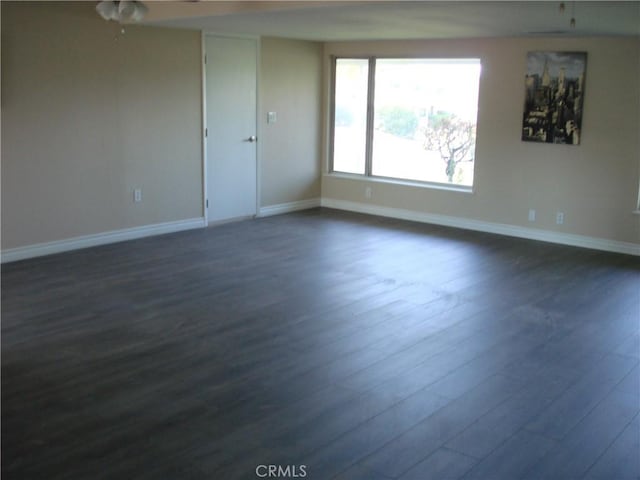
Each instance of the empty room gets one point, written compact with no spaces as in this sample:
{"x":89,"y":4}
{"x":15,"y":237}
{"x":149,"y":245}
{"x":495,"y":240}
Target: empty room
{"x":359,"y":240}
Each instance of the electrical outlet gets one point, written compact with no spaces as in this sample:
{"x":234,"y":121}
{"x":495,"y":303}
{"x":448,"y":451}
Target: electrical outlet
{"x":559,"y":218}
{"x":532,"y":215}
{"x":137,"y":195}
{"x":368,"y":192}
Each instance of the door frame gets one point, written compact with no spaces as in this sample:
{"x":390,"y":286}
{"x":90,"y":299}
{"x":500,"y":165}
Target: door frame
{"x":203,"y":67}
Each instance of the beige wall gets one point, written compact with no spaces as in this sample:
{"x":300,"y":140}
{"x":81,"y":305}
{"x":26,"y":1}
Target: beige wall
{"x":595,"y":184}
{"x":291,"y":86}
{"x":89,"y":114}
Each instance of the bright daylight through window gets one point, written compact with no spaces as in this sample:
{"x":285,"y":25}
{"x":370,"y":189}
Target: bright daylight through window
{"x":409,"y":119}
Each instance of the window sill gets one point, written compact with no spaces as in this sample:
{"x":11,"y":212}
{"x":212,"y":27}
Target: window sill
{"x":636,"y":212}
{"x":405,"y":183}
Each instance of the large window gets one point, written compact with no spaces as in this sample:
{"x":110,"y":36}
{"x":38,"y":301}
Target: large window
{"x":411,"y":119}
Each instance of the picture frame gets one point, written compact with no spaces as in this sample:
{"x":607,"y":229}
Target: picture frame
{"x":554,"y":97}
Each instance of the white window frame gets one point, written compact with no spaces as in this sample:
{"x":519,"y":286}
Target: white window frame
{"x":370,"y":126}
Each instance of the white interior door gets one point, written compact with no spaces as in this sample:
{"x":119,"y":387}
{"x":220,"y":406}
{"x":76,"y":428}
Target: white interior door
{"x":231,"y":121}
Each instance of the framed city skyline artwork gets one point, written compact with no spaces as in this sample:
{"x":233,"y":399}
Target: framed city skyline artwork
{"x":554,"y":95}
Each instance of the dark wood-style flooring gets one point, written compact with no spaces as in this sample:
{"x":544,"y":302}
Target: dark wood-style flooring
{"x":335,"y":344}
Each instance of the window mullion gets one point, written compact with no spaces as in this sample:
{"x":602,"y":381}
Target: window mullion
{"x":370,"y":115}
{"x":332,"y":109}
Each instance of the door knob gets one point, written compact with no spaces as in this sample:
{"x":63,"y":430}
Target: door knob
{"x":252,"y":139}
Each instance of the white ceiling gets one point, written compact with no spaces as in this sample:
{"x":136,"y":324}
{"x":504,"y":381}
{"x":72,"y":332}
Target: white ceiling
{"x":383,"y":20}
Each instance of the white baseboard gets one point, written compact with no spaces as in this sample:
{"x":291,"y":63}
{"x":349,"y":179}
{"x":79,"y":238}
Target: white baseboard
{"x":288,"y":207}
{"x":489,"y":227}
{"x":48,"y":248}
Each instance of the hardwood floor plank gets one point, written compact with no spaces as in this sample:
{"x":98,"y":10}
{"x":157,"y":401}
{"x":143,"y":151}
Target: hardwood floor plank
{"x":443,"y":464}
{"x":514,"y":458}
{"x":622,"y":459}
{"x":405,"y":451}
{"x":590,"y":438}
{"x":506,"y":419}
{"x":578,"y":400}
{"x":361,"y":346}
{"x":370,"y":435}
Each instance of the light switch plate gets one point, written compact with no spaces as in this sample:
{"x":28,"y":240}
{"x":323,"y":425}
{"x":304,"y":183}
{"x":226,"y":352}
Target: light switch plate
{"x":272,"y":117}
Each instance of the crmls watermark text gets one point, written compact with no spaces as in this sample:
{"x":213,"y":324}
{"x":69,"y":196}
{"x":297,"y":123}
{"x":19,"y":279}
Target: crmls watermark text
{"x":280,"y":471}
